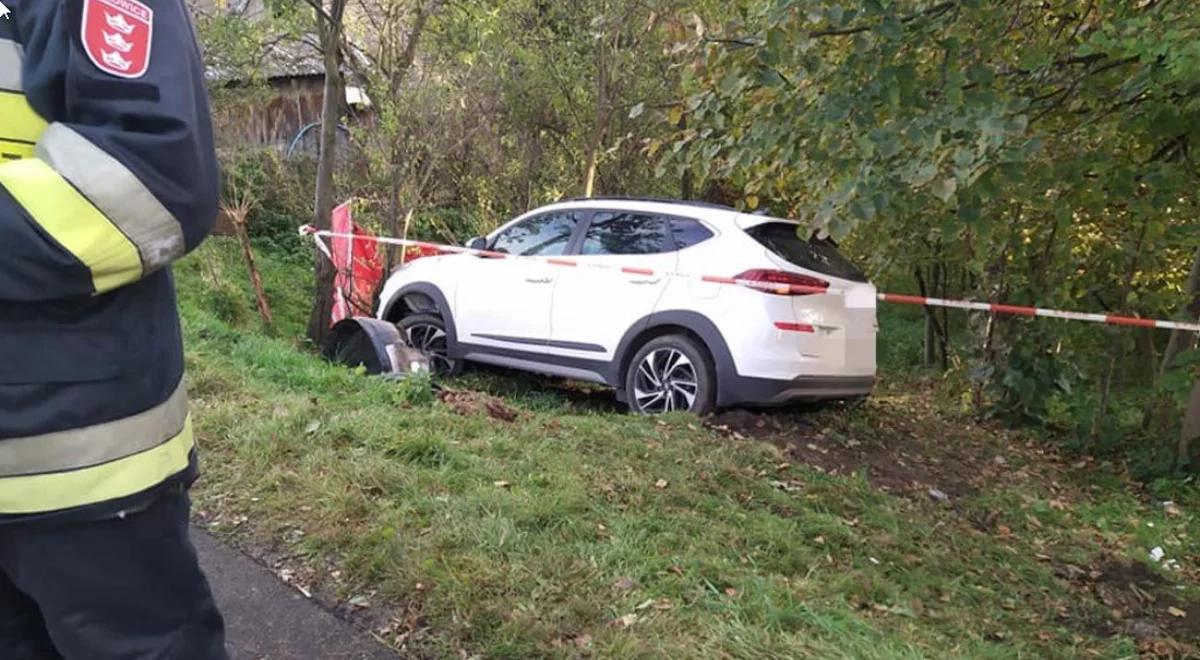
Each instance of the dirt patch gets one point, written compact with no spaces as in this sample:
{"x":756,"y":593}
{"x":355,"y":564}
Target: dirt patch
{"x":477,"y":403}
{"x":1134,"y":600}
{"x":907,"y":451}
{"x":900,"y":465}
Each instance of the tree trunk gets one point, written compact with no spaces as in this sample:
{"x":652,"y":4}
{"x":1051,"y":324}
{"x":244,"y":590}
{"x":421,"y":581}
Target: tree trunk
{"x":601,"y":118}
{"x":1191,"y":427}
{"x":927,"y":344}
{"x":687,"y":185}
{"x":593,"y":158}
{"x":1181,"y":340}
{"x":330,"y":29}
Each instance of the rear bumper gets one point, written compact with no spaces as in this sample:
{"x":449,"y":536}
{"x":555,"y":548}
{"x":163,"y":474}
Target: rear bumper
{"x":773,"y":392}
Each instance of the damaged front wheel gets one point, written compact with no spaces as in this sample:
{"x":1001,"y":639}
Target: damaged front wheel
{"x":427,"y":334}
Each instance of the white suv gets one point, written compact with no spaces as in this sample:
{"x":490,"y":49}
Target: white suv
{"x":658,"y":320}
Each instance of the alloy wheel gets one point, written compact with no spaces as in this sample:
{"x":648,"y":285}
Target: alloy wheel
{"x":665,"y":381}
{"x":431,"y":340}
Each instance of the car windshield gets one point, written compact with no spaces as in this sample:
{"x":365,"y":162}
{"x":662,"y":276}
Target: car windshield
{"x":820,"y":256}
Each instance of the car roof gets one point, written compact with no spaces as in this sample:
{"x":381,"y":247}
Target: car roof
{"x":717,"y":214}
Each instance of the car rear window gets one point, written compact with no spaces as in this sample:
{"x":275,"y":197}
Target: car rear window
{"x":625,"y":233}
{"x":688,"y":232}
{"x":820,"y":256}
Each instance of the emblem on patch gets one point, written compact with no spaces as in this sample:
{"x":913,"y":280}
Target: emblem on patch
{"x":117,"y":35}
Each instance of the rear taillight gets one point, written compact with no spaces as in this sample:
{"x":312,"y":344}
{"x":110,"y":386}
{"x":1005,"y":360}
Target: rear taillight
{"x":783,"y":283}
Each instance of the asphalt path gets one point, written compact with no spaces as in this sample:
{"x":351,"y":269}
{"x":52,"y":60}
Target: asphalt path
{"x":268,"y":620}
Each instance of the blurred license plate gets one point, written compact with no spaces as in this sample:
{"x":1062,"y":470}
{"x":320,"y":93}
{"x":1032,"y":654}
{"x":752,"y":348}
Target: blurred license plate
{"x":861,"y":297}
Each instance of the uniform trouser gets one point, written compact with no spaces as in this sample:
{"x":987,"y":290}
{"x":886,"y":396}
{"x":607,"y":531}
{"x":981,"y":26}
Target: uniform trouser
{"x":127,"y":588}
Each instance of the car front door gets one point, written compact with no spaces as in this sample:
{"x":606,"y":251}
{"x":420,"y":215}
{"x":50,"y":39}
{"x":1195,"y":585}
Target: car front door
{"x":505,"y":303}
{"x":594,"y":307}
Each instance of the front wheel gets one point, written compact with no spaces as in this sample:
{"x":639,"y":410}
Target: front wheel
{"x":671,"y":373}
{"x":427,"y":333}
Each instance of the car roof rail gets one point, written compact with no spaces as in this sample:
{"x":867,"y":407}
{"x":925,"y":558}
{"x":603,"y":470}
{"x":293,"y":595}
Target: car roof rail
{"x":657,"y":200}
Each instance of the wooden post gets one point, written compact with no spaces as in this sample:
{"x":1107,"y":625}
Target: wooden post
{"x":239,"y":211}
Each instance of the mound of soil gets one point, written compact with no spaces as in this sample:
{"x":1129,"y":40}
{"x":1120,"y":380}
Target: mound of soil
{"x":911,"y":453}
{"x":1138,"y":602}
{"x":477,"y":403}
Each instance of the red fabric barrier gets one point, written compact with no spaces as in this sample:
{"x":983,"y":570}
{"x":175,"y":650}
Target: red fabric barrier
{"x":359,"y":268}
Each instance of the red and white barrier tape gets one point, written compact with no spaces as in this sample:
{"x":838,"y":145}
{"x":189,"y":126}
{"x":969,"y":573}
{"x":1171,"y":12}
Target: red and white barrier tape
{"x":994,"y":308}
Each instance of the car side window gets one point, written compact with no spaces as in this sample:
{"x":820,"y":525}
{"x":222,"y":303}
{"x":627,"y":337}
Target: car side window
{"x":688,"y":232}
{"x":548,"y":234}
{"x":625,"y":233}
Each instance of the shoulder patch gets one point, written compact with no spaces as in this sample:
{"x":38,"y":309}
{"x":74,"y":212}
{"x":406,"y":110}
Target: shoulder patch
{"x":117,"y":36}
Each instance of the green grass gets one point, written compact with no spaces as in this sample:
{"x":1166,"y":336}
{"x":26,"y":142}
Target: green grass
{"x":535,"y":538}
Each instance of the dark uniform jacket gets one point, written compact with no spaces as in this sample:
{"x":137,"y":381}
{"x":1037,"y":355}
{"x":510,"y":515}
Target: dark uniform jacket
{"x":107,"y":175}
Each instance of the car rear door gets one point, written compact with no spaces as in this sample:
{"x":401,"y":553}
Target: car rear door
{"x":505,"y":303}
{"x":619,"y":277}
{"x":843,"y":326}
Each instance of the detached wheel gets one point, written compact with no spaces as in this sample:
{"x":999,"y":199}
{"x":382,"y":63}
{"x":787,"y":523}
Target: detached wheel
{"x":427,"y":333}
{"x":668,"y":374}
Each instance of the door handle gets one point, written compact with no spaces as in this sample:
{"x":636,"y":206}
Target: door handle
{"x":656,"y":281}
{"x":539,"y":280}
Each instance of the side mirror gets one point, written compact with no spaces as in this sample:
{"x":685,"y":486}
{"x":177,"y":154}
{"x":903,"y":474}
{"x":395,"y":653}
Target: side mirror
{"x":477,"y":243}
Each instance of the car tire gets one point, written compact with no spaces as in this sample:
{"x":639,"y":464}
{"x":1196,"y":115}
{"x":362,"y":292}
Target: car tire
{"x":427,"y":333}
{"x":671,"y":373}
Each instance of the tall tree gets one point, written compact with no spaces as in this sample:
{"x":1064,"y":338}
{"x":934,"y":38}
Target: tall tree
{"x":330,"y":20}
{"x":400,"y":143}
{"x":1046,"y":145}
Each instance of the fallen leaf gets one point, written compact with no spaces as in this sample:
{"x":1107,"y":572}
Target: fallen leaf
{"x":360,"y":602}
{"x":660,"y":484}
{"x":624,"y":584}
{"x":625,"y":621}
{"x":1176,"y":612}
{"x":644,"y":604}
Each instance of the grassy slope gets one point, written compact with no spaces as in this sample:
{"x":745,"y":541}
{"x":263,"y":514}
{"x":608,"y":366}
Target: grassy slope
{"x":579,"y":531}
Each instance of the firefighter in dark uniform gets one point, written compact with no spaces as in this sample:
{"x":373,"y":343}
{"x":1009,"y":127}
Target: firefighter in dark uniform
{"x":107,"y":175}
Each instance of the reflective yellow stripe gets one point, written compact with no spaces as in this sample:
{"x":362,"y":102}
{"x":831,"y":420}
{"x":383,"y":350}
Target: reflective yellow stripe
{"x":18,"y":121}
{"x":116,"y":192}
{"x":64,"y":490}
{"x":70,"y":219}
{"x":10,"y":150}
{"x":73,"y":449}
